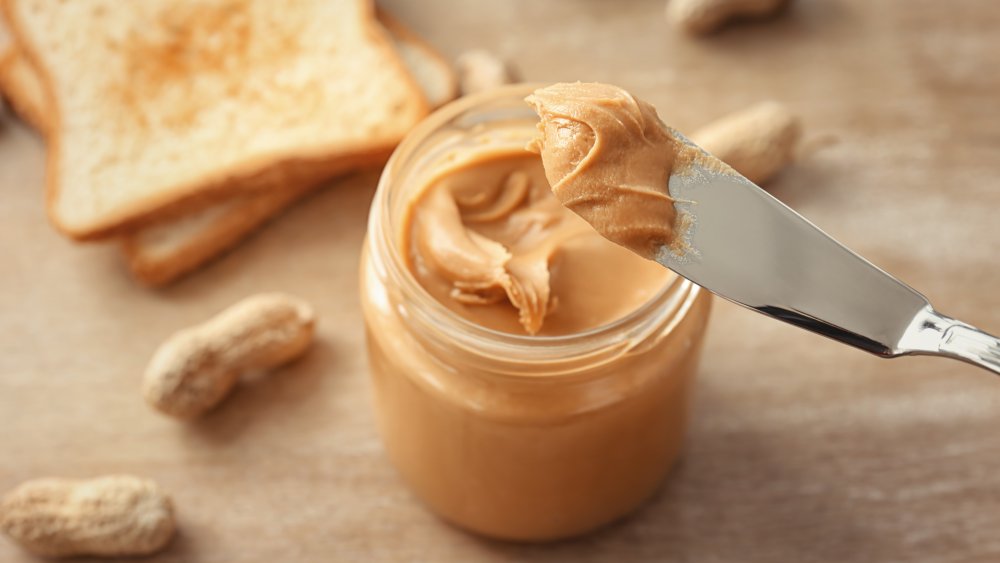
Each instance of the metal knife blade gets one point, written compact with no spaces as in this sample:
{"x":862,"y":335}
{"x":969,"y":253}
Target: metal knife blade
{"x":746,"y":246}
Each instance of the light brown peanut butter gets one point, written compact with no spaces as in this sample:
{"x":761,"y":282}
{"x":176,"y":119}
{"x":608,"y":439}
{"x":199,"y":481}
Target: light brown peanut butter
{"x":488,"y":239}
{"x":609,"y":158}
{"x":520,"y":438}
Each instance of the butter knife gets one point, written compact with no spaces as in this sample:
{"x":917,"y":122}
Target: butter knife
{"x":744,"y":245}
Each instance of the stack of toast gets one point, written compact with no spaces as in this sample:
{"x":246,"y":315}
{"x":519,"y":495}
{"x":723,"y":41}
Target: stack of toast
{"x":179,"y":127}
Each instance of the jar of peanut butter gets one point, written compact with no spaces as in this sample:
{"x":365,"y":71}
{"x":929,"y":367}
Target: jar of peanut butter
{"x":531,"y":379}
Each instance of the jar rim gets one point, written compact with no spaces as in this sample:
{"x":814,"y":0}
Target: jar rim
{"x":672,"y":301}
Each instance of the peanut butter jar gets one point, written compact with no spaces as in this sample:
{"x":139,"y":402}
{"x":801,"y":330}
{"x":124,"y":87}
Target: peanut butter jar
{"x":518,"y":437}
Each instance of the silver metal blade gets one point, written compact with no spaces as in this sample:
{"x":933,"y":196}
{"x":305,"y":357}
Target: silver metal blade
{"x":750,"y":248}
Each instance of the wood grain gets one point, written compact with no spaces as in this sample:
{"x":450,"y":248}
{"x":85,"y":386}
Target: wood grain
{"x":801,"y":450}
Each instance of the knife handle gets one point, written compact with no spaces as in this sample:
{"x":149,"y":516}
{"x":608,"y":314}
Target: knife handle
{"x":972,"y":345}
{"x":944,"y":336}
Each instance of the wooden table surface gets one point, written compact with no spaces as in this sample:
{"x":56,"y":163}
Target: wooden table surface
{"x":801,"y":449}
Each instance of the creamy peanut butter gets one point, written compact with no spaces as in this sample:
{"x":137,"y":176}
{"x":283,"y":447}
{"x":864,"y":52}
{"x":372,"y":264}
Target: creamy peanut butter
{"x":517,"y":438}
{"x":489,"y":240}
{"x":609,"y":158}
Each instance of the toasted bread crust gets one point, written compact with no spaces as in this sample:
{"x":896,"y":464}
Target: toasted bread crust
{"x":12,"y":86}
{"x":252,"y":174}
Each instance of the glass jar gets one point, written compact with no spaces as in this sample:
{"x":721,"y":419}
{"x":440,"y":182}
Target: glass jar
{"x":517,"y":437}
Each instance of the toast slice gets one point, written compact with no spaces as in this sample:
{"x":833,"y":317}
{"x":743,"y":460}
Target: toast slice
{"x":20,"y":84}
{"x":163,"y":251}
{"x":162,"y":106}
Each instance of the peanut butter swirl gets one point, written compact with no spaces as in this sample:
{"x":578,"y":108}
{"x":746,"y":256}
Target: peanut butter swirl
{"x":492,"y":230}
{"x":487,"y":238}
{"x":608,"y":158}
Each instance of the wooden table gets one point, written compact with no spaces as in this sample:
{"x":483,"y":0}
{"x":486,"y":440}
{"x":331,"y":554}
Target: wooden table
{"x":801,"y":449}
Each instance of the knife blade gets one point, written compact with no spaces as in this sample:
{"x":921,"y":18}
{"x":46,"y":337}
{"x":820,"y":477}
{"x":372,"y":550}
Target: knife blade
{"x":746,"y":246}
